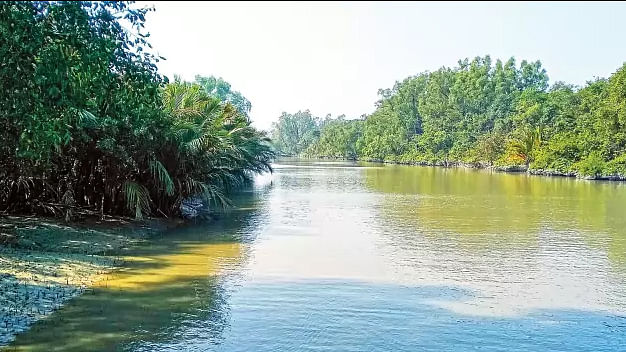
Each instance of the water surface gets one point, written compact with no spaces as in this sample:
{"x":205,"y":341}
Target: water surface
{"x":339,"y":256}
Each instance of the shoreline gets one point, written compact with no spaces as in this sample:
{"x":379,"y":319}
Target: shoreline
{"x":48,"y":262}
{"x":514,"y":169}
{"x":479,"y":166}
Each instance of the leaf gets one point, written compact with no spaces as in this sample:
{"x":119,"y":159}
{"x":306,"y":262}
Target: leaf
{"x":137,"y":198}
{"x":160,"y":174}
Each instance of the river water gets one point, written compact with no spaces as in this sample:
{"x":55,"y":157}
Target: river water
{"x":340,"y":256}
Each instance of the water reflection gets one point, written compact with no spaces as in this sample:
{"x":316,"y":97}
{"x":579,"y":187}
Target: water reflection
{"x":522,"y":242}
{"x":515,"y":208}
{"x":365,"y":257}
{"x":161,"y":295}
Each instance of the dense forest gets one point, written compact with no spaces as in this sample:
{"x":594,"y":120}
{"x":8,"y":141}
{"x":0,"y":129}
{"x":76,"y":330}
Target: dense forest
{"x":89,"y":126}
{"x":479,"y":113}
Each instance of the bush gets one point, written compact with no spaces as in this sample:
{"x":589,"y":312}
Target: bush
{"x":616,"y":166}
{"x":593,"y":165}
{"x":89,"y":125}
{"x":559,"y":154}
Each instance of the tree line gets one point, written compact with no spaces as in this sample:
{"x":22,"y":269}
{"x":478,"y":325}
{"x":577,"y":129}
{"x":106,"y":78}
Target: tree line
{"x":482,"y":113}
{"x":89,"y":125}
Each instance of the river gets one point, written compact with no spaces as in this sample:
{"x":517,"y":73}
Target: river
{"x":342,"y":256}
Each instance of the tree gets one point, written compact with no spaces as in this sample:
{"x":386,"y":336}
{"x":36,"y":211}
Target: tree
{"x":490,"y":147}
{"x":294,"y":133}
{"x":90,"y":126}
{"x":524,"y":145}
{"x":81,"y":93}
{"x":220,"y":89}
{"x":477,"y":111}
{"x":338,"y":139}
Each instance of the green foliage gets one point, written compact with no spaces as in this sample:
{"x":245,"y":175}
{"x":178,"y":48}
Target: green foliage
{"x":338,"y":139}
{"x":559,"y":153}
{"x":591,"y":165}
{"x":616,"y":166}
{"x":292,"y":134}
{"x":487,"y":113}
{"x":524,"y":145}
{"x":384,"y":135}
{"x":137,"y":198}
{"x":89,"y":125}
{"x":489,"y":148}
{"x":220,"y":89}
{"x":207,"y":149}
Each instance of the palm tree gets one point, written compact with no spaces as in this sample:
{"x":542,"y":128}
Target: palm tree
{"x":209,"y":149}
{"x":524,"y":146}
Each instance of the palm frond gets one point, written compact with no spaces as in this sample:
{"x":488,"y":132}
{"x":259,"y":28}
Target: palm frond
{"x":137,"y":198}
{"x":160,"y":174}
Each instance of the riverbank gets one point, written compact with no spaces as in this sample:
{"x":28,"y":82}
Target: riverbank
{"x":44,"y":262}
{"x":526,"y":169}
{"x":497,"y":168}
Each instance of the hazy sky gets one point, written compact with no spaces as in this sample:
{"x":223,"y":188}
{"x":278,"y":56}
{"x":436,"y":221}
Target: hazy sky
{"x":333,"y":57}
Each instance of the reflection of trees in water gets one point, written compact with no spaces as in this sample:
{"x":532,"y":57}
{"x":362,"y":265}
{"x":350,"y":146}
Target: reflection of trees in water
{"x":479,"y":209}
{"x":306,"y":186}
{"x":160,"y":298}
{"x":522,"y":242}
{"x":319,"y":178}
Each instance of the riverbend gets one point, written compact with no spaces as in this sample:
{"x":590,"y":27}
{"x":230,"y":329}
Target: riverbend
{"x":352,"y":256}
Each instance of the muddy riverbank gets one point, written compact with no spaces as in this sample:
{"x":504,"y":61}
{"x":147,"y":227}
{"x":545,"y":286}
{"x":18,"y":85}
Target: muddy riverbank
{"x":45,"y":262}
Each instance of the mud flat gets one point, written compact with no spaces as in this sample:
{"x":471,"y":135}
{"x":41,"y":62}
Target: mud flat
{"x":45,"y":263}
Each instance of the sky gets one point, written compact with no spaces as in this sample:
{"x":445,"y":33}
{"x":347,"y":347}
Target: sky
{"x":332,"y":58}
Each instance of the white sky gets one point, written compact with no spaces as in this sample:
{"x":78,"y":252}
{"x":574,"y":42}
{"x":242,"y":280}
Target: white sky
{"x":333,"y":57}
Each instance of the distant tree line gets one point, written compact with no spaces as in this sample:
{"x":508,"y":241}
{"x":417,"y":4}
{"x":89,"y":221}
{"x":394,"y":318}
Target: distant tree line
{"x":481,"y":113}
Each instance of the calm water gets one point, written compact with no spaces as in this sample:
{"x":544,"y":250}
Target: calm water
{"x":337,"y":256}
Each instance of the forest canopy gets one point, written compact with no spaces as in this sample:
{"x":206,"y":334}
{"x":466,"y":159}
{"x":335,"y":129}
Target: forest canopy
{"x":482,"y":113}
{"x":90,"y":125}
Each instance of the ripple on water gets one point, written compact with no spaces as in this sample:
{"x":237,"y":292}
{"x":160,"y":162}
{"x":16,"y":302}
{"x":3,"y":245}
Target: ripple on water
{"x":359,"y":257}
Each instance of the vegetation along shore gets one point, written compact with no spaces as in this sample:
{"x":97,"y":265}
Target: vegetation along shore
{"x":91,"y":127}
{"x":93,"y":134}
{"x":96,"y":143}
{"x":480,"y":113}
